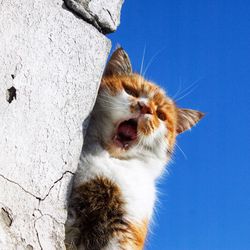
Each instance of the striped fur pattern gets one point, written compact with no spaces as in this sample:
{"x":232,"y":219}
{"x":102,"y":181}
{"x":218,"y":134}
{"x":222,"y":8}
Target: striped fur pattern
{"x":130,"y":138}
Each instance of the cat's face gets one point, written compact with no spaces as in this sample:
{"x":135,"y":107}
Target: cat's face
{"x":137,"y":116}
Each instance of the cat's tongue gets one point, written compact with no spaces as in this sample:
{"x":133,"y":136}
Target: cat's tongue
{"x":126,"y":132}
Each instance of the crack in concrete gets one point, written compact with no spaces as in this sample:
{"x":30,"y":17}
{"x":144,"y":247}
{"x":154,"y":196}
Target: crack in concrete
{"x":66,"y":172}
{"x":13,"y":182}
{"x":37,"y":234}
{"x":40,"y":217}
{"x":49,"y":215}
{"x":37,"y":197}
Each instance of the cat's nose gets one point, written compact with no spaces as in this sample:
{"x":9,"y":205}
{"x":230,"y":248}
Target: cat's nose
{"x":144,"y":108}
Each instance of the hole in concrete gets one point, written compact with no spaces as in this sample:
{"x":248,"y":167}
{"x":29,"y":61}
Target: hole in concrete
{"x":11,"y":94}
{"x":6,"y":216}
{"x":12,"y":76}
{"x":29,"y":247}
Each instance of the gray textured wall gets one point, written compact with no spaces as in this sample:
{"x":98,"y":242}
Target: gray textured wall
{"x":54,"y":60}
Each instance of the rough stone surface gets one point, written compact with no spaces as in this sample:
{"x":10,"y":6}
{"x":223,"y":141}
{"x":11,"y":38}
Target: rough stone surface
{"x":103,"y":14}
{"x":51,"y":64}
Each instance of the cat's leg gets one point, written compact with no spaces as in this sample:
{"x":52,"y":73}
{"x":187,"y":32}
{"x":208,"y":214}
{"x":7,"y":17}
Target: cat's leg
{"x":98,"y":213}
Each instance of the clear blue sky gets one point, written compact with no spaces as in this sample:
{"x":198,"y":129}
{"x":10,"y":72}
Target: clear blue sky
{"x":205,"y":200}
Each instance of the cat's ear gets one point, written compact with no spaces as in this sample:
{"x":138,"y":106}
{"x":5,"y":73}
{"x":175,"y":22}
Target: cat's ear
{"x":118,"y":64}
{"x":187,"y":118}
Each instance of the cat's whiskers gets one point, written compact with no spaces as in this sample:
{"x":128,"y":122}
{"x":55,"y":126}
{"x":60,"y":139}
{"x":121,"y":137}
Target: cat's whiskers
{"x":101,"y":110}
{"x":152,"y":60}
{"x":108,"y":107}
{"x":194,"y":85}
{"x":185,"y":156}
{"x":111,"y":102}
{"x":140,"y":142}
{"x":143,"y":57}
{"x":142,"y":145}
{"x":106,"y":96}
{"x":142,"y":63}
{"x":186,"y":94}
{"x":179,"y":89}
{"x":161,"y":145}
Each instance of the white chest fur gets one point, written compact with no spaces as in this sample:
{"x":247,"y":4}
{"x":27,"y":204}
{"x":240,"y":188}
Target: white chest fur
{"x":135,"y":179}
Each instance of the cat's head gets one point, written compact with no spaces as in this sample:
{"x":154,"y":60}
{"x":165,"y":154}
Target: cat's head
{"x":136,"y":117}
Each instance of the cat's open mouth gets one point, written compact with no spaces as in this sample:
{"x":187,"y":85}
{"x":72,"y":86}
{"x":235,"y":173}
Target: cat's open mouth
{"x":126,"y":133}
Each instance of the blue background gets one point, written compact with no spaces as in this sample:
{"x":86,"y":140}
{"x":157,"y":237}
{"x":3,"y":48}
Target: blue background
{"x":204,"y":201}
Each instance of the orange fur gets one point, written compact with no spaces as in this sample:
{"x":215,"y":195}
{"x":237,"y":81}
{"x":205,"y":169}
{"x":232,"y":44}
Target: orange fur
{"x":134,"y":236}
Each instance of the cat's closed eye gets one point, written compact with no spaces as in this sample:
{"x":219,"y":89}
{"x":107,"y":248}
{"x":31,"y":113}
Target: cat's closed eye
{"x":131,"y":91}
{"x":161,"y":115}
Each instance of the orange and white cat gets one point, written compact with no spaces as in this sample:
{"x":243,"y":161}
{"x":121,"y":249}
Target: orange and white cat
{"x":129,"y":141}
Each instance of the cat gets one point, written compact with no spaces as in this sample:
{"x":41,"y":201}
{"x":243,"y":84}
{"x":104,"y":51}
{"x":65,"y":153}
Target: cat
{"x":129,"y":140}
